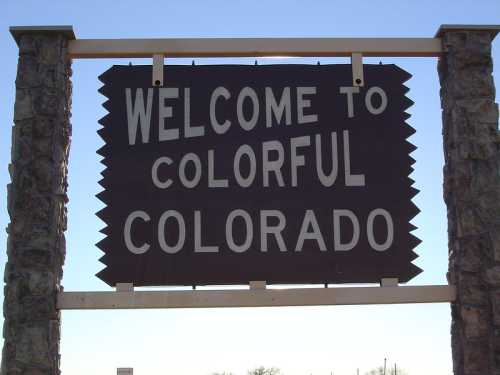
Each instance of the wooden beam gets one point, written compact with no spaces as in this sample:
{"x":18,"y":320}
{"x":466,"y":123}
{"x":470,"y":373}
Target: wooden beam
{"x":255,"y":297}
{"x":253,"y":47}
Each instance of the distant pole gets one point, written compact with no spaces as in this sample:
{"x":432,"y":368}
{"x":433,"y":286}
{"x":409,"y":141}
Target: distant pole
{"x":357,"y":371}
{"x":395,"y":370}
{"x":385,"y":364}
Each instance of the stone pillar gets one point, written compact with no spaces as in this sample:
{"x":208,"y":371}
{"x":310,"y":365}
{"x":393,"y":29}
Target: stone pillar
{"x":472,"y":194}
{"x":37,"y":201}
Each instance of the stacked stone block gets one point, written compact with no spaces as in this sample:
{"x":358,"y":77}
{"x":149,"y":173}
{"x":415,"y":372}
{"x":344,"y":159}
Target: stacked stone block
{"x":37,"y":206}
{"x":472,"y":195}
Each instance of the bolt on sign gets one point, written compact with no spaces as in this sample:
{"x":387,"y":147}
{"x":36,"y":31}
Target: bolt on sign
{"x":281,"y":173}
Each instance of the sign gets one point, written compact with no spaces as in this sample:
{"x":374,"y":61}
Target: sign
{"x":280,"y":173}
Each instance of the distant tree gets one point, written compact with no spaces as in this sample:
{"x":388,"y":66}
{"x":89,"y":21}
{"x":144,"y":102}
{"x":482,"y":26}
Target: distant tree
{"x":223,"y":373}
{"x":264,"y":371}
{"x":389,"y":371}
{"x":376,"y":371}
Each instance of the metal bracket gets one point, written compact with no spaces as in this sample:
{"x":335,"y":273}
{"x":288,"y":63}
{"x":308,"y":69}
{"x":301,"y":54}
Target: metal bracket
{"x":389,"y":282}
{"x":124,"y":287}
{"x":257,"y":285}
{"x":357,"y":70}
{"x":158,"y":70}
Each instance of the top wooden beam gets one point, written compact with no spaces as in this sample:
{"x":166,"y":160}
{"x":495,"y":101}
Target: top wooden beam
{"x":250,"y":47}
{"x":253,"y":47}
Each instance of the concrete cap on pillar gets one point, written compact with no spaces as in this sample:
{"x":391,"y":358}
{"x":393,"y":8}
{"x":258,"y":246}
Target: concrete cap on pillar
{"x":18,"y":31}
{"x":492,"y":29}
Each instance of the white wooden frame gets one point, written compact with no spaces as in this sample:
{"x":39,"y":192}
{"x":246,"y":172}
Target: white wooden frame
{"x":258,"y":296}
{"x":125,"y":297}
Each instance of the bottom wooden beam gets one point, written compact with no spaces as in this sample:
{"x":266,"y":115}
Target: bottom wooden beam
{"x":255,"y":297}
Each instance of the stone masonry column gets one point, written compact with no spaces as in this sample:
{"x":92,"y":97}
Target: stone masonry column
{"x":472,"y":195}
{"x":37,"y":201}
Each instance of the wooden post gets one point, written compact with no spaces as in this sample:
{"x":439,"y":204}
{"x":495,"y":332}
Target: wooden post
{"x":37,"y":201}
{"x":472,"y":195}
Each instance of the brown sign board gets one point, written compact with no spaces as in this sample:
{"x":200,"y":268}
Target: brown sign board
{"x":282,"y":173}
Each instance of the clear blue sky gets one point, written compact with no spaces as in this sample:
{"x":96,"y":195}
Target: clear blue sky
{"x":315,"y":340}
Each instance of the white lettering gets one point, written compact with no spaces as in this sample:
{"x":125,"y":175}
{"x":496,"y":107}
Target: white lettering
{"x":193,"y":158}
{"x":161,"y":231}
{"x":368,"y":100}
{"x":349,"y":91}
{"x":154,"y":172}
{"x":310,"y":220}
{"x":198,"y":247}
{"x":338,"y":245}
{"x":212,"y":181}
{"x":190,"y":131}
{"x":165,"y":112}
{"x":297,"y":160}
{"x":350,"y":179}
{"x":244,"y":150}
{"x":327,"y":180}
{"x":272,"y":165}
{"x":137,"y":113}
{"x":219,"y":128}
{"x":390,"y":229}
{"x":272,"y":107}
{"x":250,"y":93}
{"x":127,"y":232}
{"x":229,"y":231}
{"x":266,"y":229}
{"x":305,"y":103}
